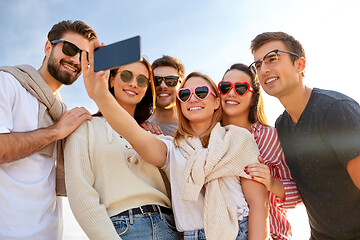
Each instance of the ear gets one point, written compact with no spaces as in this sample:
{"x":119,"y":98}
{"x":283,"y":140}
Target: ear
{"x":112,"y":79}
{"x":301,"y":65}
{"x":217,"y":103}
{"x":48,"y":47}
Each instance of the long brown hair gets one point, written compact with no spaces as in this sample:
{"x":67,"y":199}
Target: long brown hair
{"x":184,"y":128}
{"x":145,"y":107}
{"x":257,"y":110}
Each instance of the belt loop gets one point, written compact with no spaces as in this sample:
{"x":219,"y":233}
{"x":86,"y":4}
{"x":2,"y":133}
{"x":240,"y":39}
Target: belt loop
{"x":160,"y":212}
{"x":142,"y":210}
{"x":131,"y":216}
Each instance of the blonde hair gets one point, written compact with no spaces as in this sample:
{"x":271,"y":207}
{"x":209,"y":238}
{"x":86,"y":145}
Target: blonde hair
{"x":184,"y":128}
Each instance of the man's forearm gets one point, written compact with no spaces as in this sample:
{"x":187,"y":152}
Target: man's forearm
{"x":14,"y":146}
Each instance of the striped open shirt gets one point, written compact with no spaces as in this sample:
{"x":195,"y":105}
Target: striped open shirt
{"x":270,"y":150}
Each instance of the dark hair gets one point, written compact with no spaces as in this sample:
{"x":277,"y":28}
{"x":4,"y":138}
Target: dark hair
{"x":184,"y":128}
{"x":59,"y":29}
{"x":257,"y":111}
{"x":167,"y":61}
{"x":145,"y":107}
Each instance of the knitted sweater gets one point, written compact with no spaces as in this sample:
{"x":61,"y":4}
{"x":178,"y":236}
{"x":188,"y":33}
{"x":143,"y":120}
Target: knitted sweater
{"x":105,"y":176}
{"x":230,"y":149}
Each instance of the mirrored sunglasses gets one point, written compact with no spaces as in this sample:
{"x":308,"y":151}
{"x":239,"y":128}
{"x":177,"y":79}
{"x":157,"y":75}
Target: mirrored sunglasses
{"x":200,"y":92}
{"x":70,"y":49}
{"x":127,"y":76}
{"x":170,"y":81}
{"x":241,"y":88}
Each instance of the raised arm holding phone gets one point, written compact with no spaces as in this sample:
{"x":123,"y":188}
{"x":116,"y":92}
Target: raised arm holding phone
{"x":199,"y":115}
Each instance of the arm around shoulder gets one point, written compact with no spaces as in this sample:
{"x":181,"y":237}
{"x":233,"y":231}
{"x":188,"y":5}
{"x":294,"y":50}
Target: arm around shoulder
{"x":22,"y":144}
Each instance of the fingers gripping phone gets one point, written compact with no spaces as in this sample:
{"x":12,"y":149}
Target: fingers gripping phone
{"x":116,"y":54}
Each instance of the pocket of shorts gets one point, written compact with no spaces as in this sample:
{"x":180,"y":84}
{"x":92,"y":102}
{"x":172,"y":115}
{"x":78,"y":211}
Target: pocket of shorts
{"x":121,"y":226}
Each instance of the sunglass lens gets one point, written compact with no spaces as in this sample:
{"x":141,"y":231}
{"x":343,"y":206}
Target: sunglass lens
{"x":241,"y":88}
{"x":126,"y":76}
{"x":171,"y":81}
{"x":224,"y":87}
{"x":202,"y":92}
{"x":158,"y":80}
{"x":70,"y":49}
{"x":142,"y":81}
{"x":184,"y":94}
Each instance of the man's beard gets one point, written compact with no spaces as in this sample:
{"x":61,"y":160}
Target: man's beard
{"x":54,"y":68}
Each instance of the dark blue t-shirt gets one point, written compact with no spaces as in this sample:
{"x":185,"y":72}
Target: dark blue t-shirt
{"x":317,"y":149}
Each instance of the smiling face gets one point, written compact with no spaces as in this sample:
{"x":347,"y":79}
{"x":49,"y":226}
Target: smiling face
{"x":283,"y":77}
{"x":65,"y":69}
{"x":165,"y":95}
{"x":232,"y":103}
{"x":195,"y":110}
{"x":128,"y":94}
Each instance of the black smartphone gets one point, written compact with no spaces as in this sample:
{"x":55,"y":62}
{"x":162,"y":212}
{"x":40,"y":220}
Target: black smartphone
{"x":116,"y":54}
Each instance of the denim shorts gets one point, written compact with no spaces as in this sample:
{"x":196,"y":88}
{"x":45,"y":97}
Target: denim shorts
{"x":200,"y":234}
{"x":148,"y":226}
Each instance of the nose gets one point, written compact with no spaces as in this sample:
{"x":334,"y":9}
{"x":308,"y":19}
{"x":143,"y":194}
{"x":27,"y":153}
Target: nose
{"x":193,"y":98}
{"x":133,"y":82}
{"x":76,"y":58}
{"x":264,"y":69}
{"x":231,"y":92}
{"x":162,"y":84}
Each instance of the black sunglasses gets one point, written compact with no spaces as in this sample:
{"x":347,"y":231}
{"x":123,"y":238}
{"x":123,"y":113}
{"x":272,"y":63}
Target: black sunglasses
{"x":70,"y":49}
{"x":170,"y":81}
{"x":127,"y":76}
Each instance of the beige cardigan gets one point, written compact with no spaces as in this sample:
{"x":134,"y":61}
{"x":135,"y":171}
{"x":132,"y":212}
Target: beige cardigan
{"x":230,"y":149}
{"x":105,"y":176}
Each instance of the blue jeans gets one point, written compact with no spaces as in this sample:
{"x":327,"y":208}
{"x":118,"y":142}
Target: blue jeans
{"x":149,"y":226}
{"x":200,"y":234}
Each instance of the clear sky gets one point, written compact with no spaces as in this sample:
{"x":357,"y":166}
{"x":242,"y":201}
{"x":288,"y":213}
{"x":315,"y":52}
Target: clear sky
{"x":208,"y":36}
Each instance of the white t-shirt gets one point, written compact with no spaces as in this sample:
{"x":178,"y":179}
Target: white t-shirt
{"x":28,"y":204}
{"x":190,"y":215}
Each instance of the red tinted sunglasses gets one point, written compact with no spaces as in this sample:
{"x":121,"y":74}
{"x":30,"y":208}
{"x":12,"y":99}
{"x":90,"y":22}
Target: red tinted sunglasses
{"x":200,"y":92}
{"x":241,"y":88}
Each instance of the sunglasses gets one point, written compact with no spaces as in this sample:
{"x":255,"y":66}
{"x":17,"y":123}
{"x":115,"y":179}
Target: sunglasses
{"x":170,"y":81}
{"x":70,"y":49}
{"x":127,"y":76}
{"x":241,"y":88}
{"x":200,"y":92}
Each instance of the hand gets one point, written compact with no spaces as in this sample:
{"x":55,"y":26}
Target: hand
{"x":260,"y":173}
{"x":151,"y":127}
{"x":96,"y":83}
{"x":70,"y":121}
